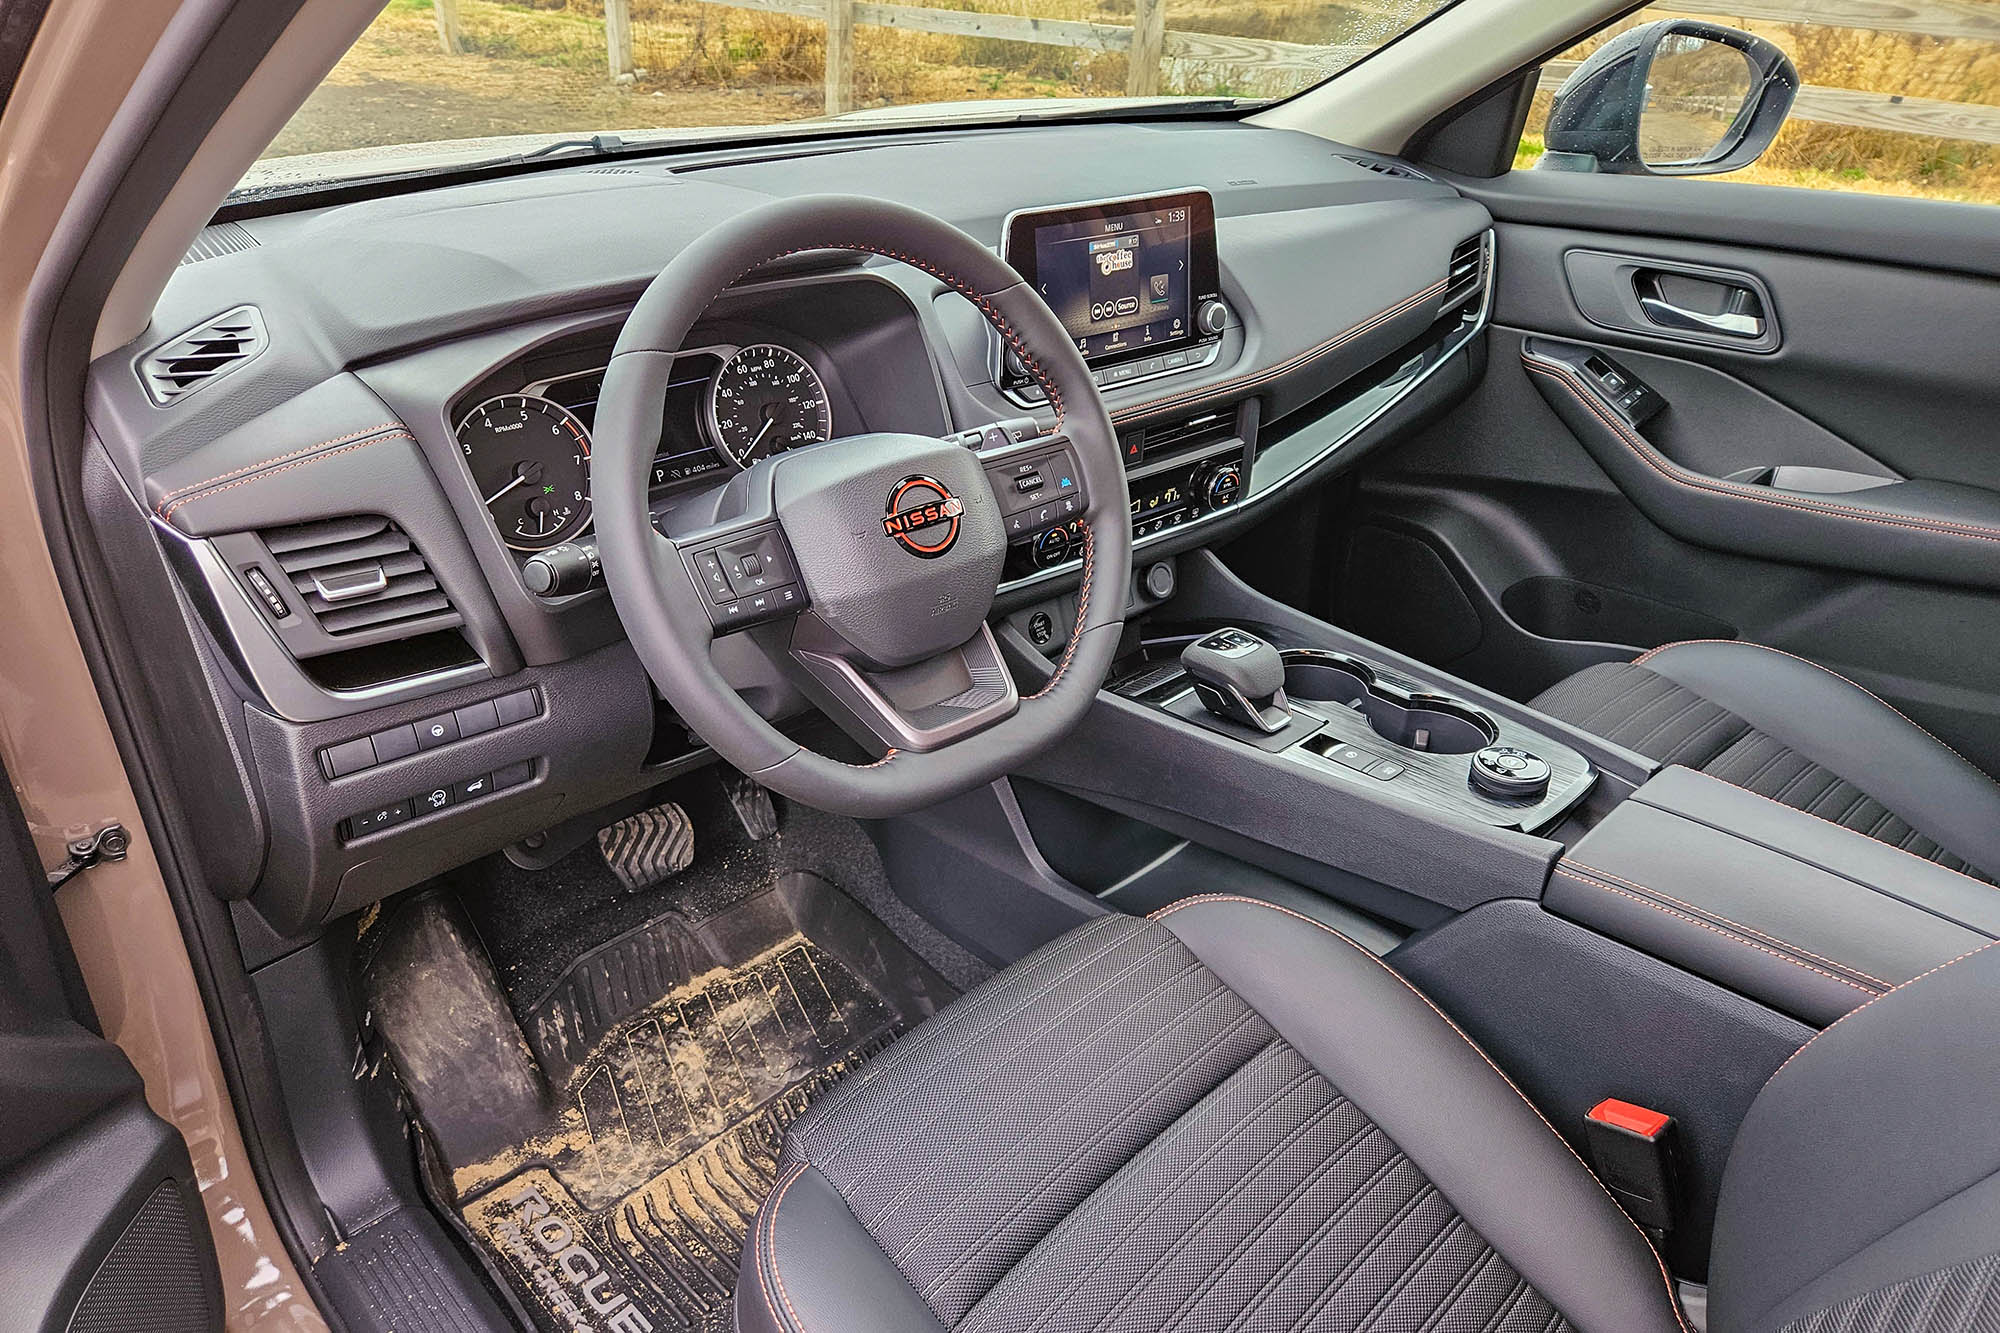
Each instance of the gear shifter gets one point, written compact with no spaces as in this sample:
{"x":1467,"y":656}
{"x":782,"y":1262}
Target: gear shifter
{"x":1240,"y":677}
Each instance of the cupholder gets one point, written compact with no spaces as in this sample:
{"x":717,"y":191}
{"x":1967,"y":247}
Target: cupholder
{"x":1430,"y":723}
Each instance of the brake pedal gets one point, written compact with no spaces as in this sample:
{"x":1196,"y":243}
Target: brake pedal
{"x":648,"y":847}
{"x":752,"y":804}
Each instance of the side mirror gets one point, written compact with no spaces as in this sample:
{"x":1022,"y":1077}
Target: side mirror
{"x":1680,"y":97}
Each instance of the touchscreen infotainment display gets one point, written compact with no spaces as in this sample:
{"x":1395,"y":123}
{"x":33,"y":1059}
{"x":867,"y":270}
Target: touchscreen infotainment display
{"x":1126,"y":278}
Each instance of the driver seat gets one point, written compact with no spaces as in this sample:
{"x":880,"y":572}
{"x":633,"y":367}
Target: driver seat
{"x":1229,"y":1117}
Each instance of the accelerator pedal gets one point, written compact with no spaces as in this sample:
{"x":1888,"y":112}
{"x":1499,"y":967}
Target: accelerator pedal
{"x":648,"y":847}
{"x":752,"y":804}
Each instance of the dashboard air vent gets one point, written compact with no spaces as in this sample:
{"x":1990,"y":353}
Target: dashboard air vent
{"x":361,"y":576}
{"x":1467,"y":275}
{"x":1195,"y":432}
{"x":1384,"y":167}
{"x":202,"y":355}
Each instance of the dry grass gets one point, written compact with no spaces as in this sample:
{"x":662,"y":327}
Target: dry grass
{"x":539,"y":65}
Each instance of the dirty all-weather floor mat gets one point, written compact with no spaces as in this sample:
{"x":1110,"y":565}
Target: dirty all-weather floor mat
{"x":607,"y":1152}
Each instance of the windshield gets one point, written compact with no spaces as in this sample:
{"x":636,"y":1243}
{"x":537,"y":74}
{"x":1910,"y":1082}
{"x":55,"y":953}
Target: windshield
{"x":434,"y":84}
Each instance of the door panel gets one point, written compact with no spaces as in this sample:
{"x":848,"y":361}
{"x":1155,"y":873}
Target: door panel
{"x":1897,"y":361}
{"x":1863,"y":419}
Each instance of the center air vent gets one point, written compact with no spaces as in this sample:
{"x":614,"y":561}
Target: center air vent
{"x":1466,"y":278}
{"x":202,"y":355}
{"x":361,"y":578}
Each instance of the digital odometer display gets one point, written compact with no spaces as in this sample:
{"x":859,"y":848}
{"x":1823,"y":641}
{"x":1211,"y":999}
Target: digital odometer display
{"x":1124,"y":278}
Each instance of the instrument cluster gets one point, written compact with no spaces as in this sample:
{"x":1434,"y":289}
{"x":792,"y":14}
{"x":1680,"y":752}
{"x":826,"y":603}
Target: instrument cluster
{"x":727,"y":407}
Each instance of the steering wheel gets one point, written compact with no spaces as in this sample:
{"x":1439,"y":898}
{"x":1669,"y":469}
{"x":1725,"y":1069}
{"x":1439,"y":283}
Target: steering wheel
{"x":876,"y":557}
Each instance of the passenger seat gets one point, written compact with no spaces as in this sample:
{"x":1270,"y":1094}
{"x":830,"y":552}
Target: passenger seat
{"x":1798,"y":733}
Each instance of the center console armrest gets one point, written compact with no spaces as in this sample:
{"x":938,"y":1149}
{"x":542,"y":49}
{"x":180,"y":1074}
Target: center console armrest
{"x":1811,"y":918}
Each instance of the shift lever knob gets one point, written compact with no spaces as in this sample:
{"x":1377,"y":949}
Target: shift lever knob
{"x":1240,"y":677}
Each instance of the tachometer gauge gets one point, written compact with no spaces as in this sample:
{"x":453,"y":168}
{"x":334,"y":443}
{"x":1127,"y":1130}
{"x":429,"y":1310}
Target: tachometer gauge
{"x":531,"y":460}
{"x":767,"y":399}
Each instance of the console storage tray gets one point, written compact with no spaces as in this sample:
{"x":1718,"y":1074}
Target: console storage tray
{"x":1806,"y":916}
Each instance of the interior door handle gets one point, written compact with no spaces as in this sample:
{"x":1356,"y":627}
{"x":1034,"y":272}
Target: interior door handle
{"x":1742,"y":315}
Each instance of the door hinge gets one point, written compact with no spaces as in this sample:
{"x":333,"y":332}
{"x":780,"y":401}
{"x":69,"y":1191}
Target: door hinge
{"x":109,"y":843}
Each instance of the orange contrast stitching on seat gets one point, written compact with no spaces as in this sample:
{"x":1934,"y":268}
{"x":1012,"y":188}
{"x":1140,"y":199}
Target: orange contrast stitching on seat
{"x":1886,"y":846}
{"x":168,"y":511}
{"x":266,"y":462}
{"x":1680,"y":476}
{"x":1726,"y":934}
{"x":1283,"y":367}
{"x":1650,"y":653}
{"x":1673,"y":1300}
{"x":1752,"y":930}
{"x":771,"y":1255}
{"x":1858,"y":1008}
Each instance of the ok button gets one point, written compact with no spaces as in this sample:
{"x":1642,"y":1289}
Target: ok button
{"x":435,"y":731}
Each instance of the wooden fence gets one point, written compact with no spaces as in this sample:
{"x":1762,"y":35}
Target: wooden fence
{"x":1151,"y":46}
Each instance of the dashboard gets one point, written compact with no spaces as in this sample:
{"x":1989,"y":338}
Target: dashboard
{"x":371,"y":524}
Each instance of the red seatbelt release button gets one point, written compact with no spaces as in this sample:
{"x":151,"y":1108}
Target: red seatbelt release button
{"x":1632,"y":1148}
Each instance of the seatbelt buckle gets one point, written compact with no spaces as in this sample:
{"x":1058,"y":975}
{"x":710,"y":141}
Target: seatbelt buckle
{"x":1633,"y":1149}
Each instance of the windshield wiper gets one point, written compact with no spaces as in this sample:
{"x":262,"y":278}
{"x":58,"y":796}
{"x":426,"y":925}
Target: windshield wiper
{"x":597,"y":145}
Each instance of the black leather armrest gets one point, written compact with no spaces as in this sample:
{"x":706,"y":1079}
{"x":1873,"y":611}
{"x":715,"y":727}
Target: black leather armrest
{"x":1801,"y":914}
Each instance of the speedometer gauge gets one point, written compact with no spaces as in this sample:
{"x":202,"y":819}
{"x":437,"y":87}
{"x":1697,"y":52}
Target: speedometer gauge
{"x":531,"y":460}
{"x":767,"y":399}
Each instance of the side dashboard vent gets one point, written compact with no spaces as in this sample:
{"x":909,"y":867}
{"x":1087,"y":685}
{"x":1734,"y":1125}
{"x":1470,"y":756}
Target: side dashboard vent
{"x":1185,"y":433}
{"x":202,"y":355}
{"x":361,"y":577}
{"x":1382,"y":166}
{"x":1466,"y":279}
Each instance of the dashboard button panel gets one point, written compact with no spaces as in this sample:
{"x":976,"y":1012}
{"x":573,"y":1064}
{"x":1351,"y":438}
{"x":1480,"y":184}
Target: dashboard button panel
{"x":400,"y":742}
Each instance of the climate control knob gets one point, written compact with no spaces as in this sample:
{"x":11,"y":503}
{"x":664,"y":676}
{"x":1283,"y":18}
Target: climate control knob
{"x":1211,"y":318}
{"x":1222,"y":486}
{"x":1051,"y":548}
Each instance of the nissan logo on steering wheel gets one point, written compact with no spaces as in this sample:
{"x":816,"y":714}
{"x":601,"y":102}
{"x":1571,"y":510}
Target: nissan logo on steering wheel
{"x":922,"y":516}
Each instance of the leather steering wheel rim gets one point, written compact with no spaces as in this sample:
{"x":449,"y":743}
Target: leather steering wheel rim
{"x":665,"y":613}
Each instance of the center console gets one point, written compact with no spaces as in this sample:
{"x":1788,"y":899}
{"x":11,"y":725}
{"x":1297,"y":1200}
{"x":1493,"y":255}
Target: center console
{"x":1342,"y":717}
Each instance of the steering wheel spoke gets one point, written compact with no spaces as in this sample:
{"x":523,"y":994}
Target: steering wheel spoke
{"x":1037,"y":484}
{"x":924,"y":706}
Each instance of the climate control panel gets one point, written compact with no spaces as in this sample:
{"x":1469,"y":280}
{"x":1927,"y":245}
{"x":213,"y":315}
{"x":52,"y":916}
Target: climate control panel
{"x":1165,"y":496}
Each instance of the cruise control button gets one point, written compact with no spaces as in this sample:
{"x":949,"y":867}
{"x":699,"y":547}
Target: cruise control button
{"x":435,"y":731}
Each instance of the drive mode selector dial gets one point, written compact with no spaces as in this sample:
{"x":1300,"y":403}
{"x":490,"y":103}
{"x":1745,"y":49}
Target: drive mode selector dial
{"x":1510,"y":773}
